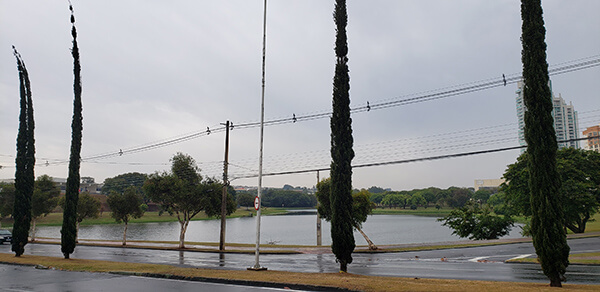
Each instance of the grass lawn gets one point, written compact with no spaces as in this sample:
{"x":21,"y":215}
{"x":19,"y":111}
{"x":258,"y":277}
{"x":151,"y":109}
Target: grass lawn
{"x":348,"y":281}
{"x":590,"y":258}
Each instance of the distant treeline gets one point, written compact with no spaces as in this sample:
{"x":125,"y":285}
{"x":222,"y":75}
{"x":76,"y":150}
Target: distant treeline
{"x":429,"y":197}
{"x":278,"y":198}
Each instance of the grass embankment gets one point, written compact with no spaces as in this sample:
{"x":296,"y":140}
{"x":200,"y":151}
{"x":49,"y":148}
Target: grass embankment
{"x":590,"y":258}
{"x":286,"y":279}
{"x":55,"y":219}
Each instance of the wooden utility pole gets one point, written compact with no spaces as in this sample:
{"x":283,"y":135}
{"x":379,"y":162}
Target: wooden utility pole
{"x":319,"y":240}
{"x":225,"y":185}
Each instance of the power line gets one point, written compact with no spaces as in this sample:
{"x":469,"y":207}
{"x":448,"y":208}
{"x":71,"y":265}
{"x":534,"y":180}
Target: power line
{"x":562,"y":68}
{"x":430,"y":158}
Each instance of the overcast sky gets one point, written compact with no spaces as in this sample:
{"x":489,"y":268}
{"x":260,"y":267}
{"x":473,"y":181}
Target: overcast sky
{"x":153,"y":71}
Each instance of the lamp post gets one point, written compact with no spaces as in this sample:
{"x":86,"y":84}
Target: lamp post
{"x":257,"y":266}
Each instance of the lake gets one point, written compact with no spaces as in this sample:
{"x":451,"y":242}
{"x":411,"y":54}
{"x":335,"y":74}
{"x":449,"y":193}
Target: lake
{"x":280,"y":229}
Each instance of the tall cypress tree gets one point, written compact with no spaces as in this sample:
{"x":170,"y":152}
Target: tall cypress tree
{"x":25,"y":161}
{"x":547,"y":226}
{"x":69,"y":226}
{"x":341,"y":147}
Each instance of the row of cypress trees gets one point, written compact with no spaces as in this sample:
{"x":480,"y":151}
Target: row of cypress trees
{"x":549,"y":236}
{"x":25,"y":161}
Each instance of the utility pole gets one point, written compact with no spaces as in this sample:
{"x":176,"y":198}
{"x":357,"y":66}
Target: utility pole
{"x":225,"y":185}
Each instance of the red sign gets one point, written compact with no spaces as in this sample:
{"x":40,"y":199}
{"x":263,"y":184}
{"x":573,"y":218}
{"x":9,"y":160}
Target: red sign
{"x":256,"y":203}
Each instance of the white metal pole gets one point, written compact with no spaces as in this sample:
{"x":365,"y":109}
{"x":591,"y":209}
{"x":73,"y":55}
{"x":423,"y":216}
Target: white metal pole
{"x":260,"y":157}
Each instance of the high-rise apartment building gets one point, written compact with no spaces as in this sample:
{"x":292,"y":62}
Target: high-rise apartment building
{"x":594,"y":143}
{"x":566,"y":123}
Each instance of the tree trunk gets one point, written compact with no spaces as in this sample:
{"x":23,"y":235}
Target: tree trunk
{"x":555,"y":282}
{"x":33,"y":229}
{"x":372,"y":246}
{"x":184,"y":225}
{"x":125,"y":234}
{"x":343,"y":267}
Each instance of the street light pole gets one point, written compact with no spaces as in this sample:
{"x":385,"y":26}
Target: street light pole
{"x":257,"y":266}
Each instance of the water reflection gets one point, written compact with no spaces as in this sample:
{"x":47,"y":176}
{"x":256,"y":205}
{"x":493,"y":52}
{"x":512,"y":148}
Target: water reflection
{"x":290,"y":229}
{"x":221,"y":259}
{"x":181,"y":257}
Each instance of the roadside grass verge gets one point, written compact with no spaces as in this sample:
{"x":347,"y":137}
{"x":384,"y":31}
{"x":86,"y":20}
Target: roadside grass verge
{"x":590,"y":258}
{"x":351,"y":282}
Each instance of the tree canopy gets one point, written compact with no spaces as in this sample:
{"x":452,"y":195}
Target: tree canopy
{"x":579,"y":172}
{"x":125,"y":206}
{"x":87,"y":207}
{"x":362,"y":207}
{"x":121,"y":182}
{"x":7,"y":199}
{"x":476,"y":222}
{"x":44,"y":200}
{"x":184,"y":193}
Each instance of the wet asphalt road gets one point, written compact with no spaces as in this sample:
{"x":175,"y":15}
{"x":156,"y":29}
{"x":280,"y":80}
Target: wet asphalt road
{"x":476,"y":263}
{"x":22,"y":279}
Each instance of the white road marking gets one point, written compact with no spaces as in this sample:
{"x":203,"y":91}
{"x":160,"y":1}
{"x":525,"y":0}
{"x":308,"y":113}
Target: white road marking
{"x":474,"y":260}
{"x":520,"y":257}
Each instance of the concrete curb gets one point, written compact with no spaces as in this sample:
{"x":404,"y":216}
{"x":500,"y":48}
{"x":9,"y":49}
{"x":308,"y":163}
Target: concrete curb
{"x":233,"y":282}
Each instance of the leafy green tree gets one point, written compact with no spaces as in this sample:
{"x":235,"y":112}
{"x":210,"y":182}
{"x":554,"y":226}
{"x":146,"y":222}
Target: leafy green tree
{"x":245,"y":200}
{"x":121,"y":182}
{"x":458,"y":196}
{"x":183,"y":192}
{"x":377,"y":198}
{"x":87,"y":207}
{"x":428,"y":195}
{"x":362,"y":207}
{"x":482,"y":195}
{"x":25,"y":162}
{"x":287,"y":198}
{"x":44,"y":200}
{"x":7,"y":200}
{"x":477,"y":223}
{"x":498,"y":202}
{"x":547,"y":220}
{"x":376,"y":190}
{"x":579,"y":172}
{"x":395,"y":200}
{"x":69,"y":227}
{"x":418,"y":200}
{"x":126,"y":206}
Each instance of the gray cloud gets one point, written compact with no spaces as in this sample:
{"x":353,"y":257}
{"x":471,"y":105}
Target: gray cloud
{"x":154,"y":70}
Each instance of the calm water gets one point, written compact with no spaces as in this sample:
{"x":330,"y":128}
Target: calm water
{"x":287,"y":229}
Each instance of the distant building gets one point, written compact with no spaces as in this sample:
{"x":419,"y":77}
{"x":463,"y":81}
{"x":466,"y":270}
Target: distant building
{"x":566,"y":124}
{"x":488,"y":183}
{"x":87,"y":184}
{"x":592,"y":144}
